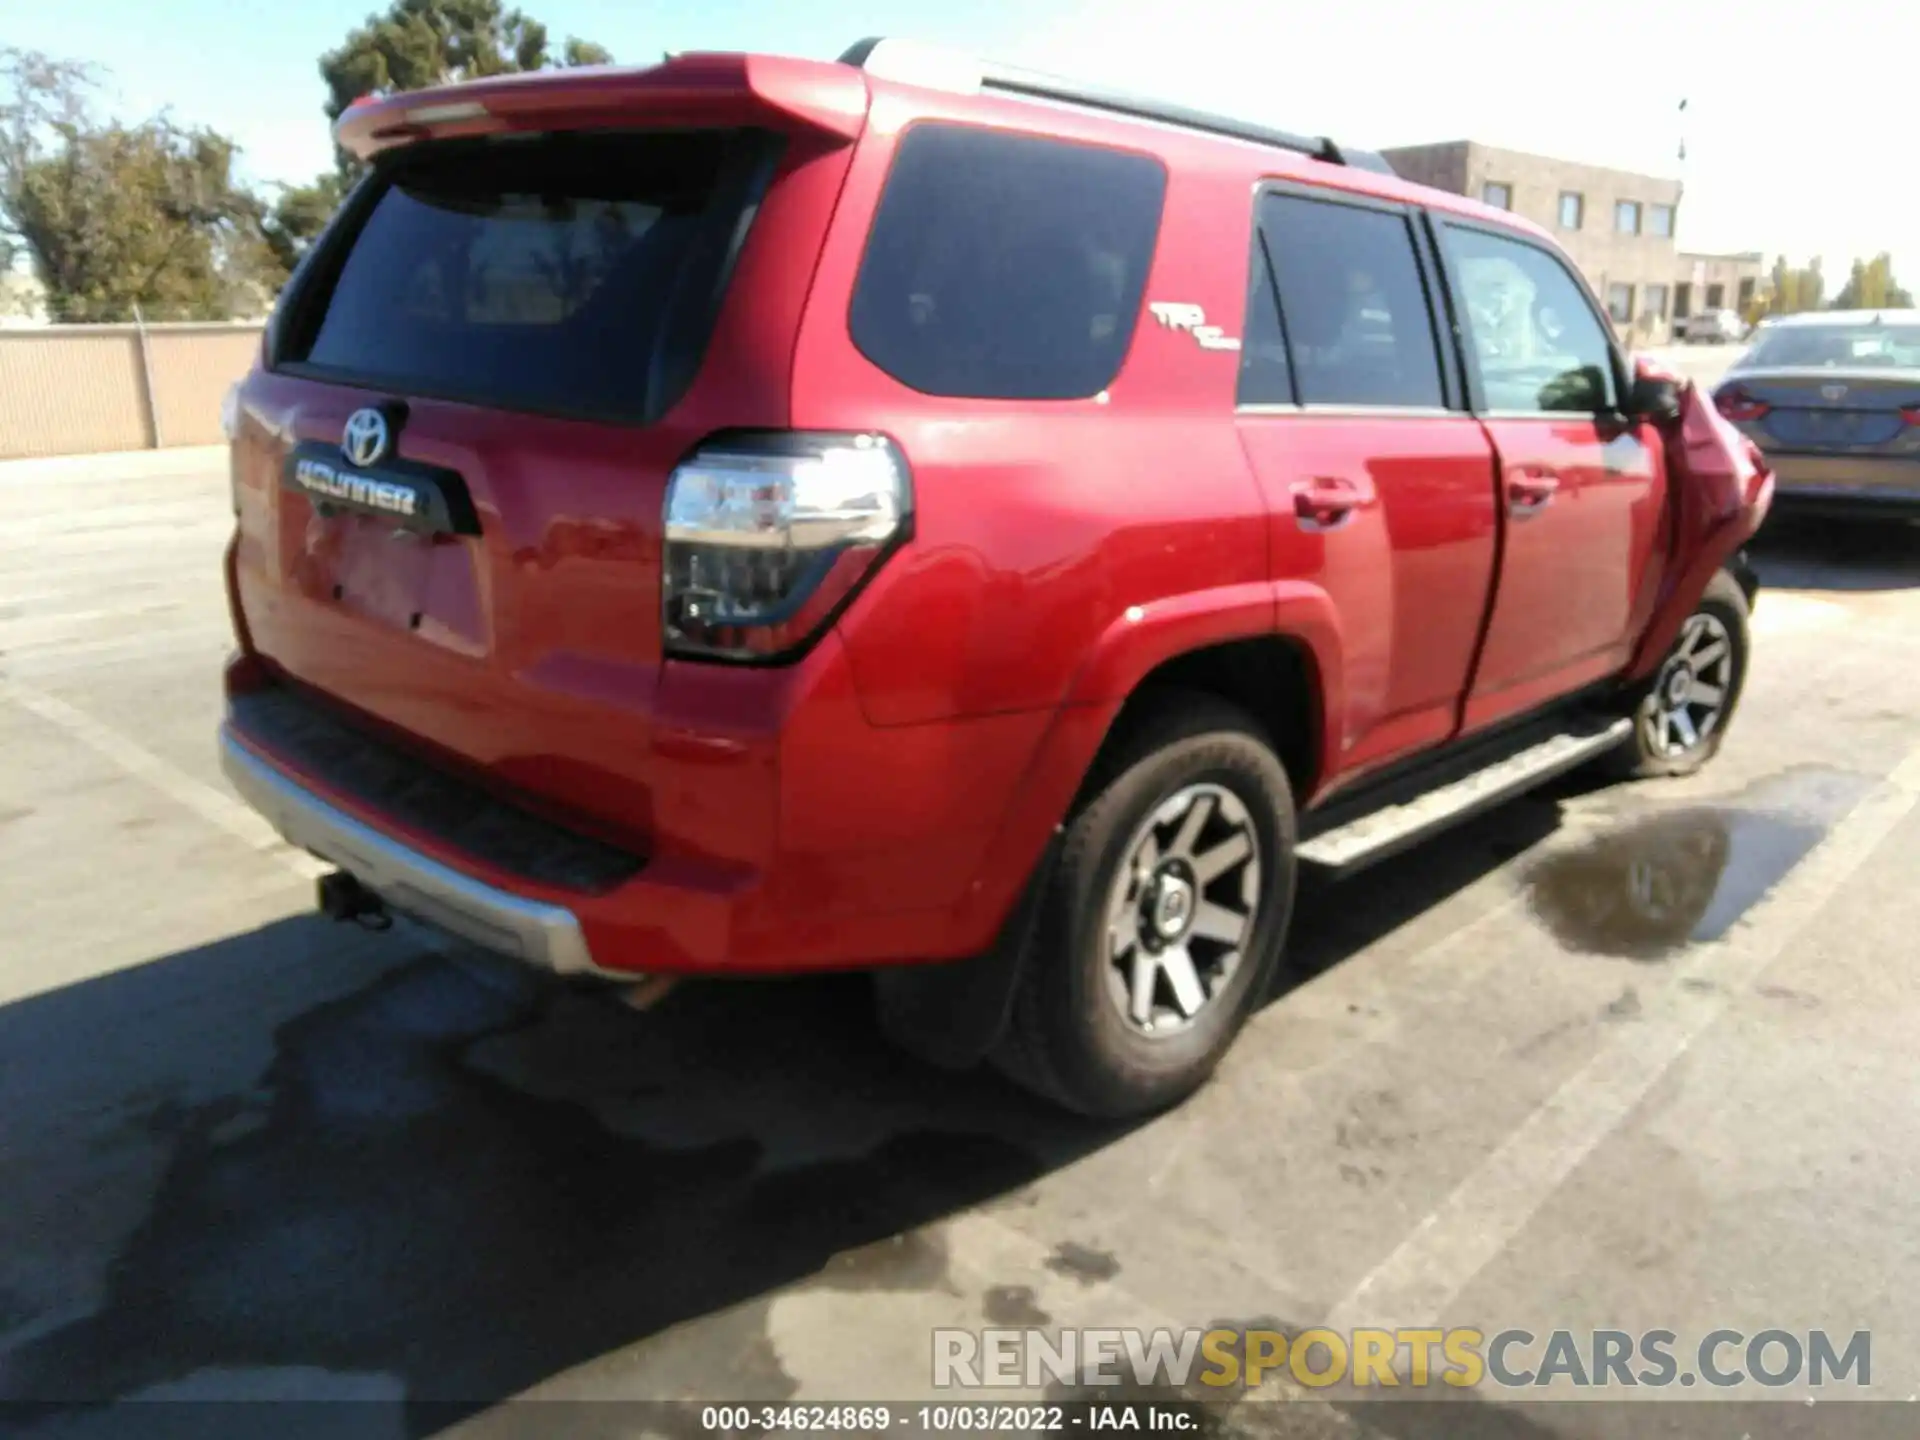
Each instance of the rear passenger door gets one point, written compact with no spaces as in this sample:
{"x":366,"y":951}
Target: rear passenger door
{"x":1583,"y":488}
{"x":1378,"y":484}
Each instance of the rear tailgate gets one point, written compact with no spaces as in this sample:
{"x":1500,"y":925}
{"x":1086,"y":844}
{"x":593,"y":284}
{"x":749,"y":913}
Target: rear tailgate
{"x":543,"y":321}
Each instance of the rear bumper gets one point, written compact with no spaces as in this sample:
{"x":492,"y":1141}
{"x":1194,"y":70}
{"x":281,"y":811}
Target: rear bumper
{"x":478,"y":863}
{"x":542,"y":934}
{"x":1850,"y":484}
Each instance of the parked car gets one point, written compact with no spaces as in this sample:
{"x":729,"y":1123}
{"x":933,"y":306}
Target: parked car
{"x":762,"y":516}
{"x":1832,"y":398}
{"x":1713,"y":327}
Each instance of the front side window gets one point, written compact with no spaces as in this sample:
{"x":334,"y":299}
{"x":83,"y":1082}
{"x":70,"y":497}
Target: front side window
{"x":1626,"y":217}
{"x":1537,"y":344}
{"x":1620,"y":303}
{"x":1006,"y":266}
{"x":1497,"y":194}
{"x":1355,"y":307}
{"x":1573,"y":210}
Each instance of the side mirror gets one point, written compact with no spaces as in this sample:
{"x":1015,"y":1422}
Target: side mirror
{"x":1654,"y":394}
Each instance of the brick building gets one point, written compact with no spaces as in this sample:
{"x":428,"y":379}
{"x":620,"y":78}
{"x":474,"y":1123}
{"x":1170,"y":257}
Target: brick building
{"x":1617,"y":226}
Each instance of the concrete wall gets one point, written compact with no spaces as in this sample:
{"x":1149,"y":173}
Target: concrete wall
{"x":78,"y":389}
{"x":1535,"y":183}
{"x":1700,"y":273}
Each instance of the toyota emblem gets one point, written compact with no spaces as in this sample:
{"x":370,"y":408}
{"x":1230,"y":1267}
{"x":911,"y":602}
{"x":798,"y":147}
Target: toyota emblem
{"x":365,"y":439}
{"x":1833,"y":392}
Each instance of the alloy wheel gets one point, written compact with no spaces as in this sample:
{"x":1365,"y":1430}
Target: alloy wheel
{"x":1694,"y":688}
{"x":1181,"y":908}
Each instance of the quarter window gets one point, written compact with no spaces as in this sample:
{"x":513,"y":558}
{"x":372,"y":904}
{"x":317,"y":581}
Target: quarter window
{"x":1538,"y":346}
{"x":1266,"y":377}
{"x":1354,"y":303}
{"x":1006,"y":266}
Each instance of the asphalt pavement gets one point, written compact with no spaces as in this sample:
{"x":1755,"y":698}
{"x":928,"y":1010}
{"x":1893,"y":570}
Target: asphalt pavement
{"x":1638,"y":1057}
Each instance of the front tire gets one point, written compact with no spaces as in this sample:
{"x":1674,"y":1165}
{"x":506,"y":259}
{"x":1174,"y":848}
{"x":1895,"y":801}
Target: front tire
{"x":1162,"y":923}
{"x":1683,"y":714}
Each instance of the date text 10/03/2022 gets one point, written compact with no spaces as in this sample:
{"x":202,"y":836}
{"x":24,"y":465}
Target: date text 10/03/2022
{"x":1171,"y":1418}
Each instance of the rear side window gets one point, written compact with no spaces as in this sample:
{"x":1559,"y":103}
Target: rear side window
{"x":1358,"y":327}
{"x":575,"y":274}
{"x":1006,"y":266}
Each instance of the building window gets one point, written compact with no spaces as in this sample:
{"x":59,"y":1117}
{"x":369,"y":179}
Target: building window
{"x":1626,"y":217}
{"x":1716,"y":297}
{"x":1655,"y":302}
{"x":1746,"y":294}
{"x":1497,"y":195}
{"x":1660,"y":220}
{"x":1682,"y":301}
{"x":1620,"y":303}
{"x":1573,"y":209}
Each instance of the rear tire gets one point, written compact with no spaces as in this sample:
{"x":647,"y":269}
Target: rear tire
{"x":1162,"y":922}
{"x":1682,"y":714}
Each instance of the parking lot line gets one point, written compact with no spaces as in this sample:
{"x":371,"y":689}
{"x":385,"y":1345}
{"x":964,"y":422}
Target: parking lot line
{"x":209,"y":803}
{"x":1457,"y":1239}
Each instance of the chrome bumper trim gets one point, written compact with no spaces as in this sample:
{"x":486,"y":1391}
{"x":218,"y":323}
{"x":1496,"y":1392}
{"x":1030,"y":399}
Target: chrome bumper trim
{"x":541,"y":934}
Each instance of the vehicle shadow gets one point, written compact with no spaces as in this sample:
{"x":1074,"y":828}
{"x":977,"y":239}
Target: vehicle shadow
{"x":460,"y":1182}
{"x":1815,"y":552}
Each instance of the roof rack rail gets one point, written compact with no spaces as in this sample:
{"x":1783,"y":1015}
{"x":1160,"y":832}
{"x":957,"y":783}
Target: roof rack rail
{"x":928,"y":65}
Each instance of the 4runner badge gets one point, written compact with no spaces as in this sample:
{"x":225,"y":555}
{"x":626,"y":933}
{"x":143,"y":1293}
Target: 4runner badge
{"x":1193,"y":320}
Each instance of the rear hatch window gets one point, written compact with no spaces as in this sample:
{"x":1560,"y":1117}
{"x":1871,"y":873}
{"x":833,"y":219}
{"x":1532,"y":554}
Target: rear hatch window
{"x":565,"y":274}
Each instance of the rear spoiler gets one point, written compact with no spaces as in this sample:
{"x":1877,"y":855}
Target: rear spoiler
{"x":691,"y":89}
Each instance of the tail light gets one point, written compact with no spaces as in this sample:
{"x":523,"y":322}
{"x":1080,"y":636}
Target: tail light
{"x":1910,"y":414}
{"x":769,"y":536}
{"x":1736,"y":404}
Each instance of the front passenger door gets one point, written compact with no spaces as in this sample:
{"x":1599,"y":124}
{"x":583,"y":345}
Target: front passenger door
{"x":1582,"y":486}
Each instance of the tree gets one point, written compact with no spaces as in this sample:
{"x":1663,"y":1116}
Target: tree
{"x":1871,"y":286}
{"x":296,"y":216}
{"x":417,"y":43}
{"x":114,"y":215}
{"x":1796,"y":288}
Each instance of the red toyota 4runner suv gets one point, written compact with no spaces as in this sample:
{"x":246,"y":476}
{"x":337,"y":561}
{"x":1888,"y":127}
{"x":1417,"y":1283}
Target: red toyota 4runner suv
{"x":758,"y":516}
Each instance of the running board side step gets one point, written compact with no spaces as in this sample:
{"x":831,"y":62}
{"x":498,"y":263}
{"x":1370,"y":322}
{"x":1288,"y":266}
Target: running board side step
{"x":1392,"y":828}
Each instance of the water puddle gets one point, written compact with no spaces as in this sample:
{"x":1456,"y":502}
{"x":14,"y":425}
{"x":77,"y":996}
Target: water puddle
{"x":1687,"y":875}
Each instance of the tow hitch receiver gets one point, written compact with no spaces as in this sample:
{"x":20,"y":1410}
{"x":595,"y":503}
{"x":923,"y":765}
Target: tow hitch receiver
{"x":342,"y":897}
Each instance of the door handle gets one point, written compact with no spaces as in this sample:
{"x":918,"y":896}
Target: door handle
{"x":1529,"y":490}
{"x":1325,"y":503}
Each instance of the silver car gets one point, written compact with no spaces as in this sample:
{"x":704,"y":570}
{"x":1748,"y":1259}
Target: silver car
{"x":1833,"y":399}
{"x":1712,"y":327}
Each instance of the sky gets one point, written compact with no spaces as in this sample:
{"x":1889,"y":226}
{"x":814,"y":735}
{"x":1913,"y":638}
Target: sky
{"x":1795,"y":158}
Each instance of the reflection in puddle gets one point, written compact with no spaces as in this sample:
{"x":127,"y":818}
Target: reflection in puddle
{"x":1685,"y":876}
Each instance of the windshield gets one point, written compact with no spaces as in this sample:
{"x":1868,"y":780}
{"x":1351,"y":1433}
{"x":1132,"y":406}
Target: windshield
{"x":1840,"y":346}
